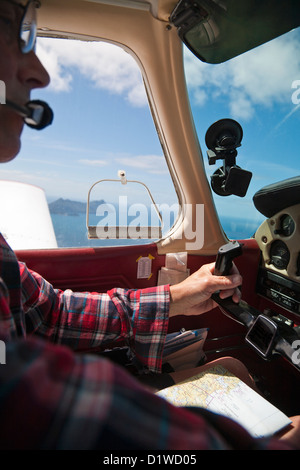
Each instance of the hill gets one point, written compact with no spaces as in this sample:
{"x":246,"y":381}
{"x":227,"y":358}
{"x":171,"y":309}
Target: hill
{"x":68,"y":207}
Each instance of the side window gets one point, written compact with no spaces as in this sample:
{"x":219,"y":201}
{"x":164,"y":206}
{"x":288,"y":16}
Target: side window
{"x":102,"y":124}
{"x":260,"y":90}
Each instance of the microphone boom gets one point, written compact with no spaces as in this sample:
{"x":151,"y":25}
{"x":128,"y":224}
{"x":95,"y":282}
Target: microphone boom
{"x":37,"y":114}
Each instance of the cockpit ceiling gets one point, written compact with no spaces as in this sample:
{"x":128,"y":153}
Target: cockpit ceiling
{"x":55,"y":18}
{"x":160,"y":9}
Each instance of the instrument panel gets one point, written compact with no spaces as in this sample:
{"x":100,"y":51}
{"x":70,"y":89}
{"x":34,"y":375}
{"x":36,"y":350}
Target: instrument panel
{"x":279,"y":276}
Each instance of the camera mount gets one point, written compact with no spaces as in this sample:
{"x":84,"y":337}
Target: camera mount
{"x":222,"y":139}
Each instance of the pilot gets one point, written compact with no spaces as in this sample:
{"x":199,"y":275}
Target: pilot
{"x":53,"y":397}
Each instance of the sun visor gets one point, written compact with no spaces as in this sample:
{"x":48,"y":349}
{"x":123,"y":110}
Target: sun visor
{"x":216,"y":31}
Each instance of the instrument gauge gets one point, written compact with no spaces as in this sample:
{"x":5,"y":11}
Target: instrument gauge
{"x":279,"y":254}
{"x":287,"y":225}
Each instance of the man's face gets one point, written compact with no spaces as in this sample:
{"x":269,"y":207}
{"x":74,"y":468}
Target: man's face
{"x":20,"y":73}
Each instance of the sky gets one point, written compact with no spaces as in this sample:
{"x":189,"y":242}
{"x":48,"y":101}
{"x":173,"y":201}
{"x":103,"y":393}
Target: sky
{"x":102,"y":122}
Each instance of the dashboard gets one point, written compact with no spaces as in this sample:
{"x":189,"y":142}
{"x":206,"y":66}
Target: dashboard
{"x":279,"y":274}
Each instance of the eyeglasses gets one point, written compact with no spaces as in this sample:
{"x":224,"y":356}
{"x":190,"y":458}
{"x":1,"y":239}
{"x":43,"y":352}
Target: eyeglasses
{"x":24,"y":28}
{"x":27,"y":33}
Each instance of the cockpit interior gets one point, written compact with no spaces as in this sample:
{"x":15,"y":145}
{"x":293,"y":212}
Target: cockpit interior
{"x":222,"y":153}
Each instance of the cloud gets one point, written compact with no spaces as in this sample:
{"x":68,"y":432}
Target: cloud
{"x":107,"y":66}
{"x":154,"y":164}
{"x":260,"y":77}
{"x":93,"y":162}
{"x":37,"y":179}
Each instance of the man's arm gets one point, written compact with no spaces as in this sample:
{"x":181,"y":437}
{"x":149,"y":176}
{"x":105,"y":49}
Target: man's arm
{"x":87,"y":321}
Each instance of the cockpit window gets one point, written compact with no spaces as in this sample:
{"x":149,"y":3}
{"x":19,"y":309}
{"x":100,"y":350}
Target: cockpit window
{"x":102,"y":124}
{"x":261,"y":91}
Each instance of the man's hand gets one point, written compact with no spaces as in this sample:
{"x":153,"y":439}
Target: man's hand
{"x":193,"y":295}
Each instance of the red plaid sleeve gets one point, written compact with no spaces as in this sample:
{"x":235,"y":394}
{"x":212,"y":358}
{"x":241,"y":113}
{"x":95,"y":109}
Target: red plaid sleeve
{"x":85,"y":321}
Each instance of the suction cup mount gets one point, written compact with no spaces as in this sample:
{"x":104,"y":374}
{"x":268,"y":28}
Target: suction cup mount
{"x":222,"y":139}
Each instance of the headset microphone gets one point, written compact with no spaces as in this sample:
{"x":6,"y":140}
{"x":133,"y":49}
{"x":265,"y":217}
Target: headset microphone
{"x":37,"y":114}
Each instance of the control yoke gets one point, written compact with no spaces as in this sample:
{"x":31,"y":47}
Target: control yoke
{"x":267,"y":335}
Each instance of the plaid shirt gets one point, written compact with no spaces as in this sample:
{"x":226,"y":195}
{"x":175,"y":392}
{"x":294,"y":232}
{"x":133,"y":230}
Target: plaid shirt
{"x":82,"y":321}
{"x":53,"y":398}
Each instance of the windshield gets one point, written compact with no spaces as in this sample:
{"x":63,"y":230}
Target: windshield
{"x":102,"y":125}
{"x":261,"y":91}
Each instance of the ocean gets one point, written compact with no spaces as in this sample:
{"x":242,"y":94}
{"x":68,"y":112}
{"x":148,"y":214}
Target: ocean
{"x":71,"y":231}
